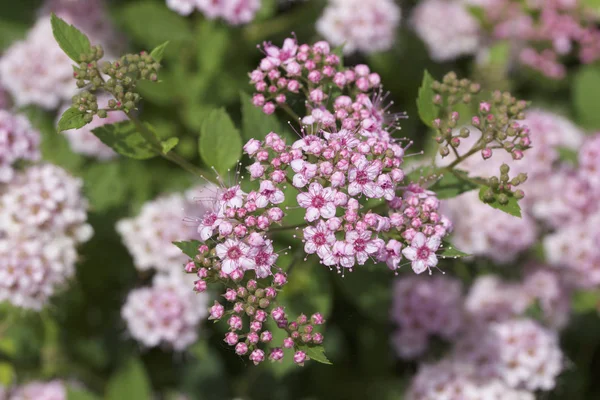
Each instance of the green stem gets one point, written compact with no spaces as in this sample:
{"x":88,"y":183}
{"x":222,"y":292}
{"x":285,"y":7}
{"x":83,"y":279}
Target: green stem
{"x":171,"y":156}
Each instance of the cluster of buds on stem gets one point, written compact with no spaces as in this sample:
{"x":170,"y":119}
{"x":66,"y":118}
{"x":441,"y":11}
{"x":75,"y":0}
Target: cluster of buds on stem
{"x":119,"y":78}
{"x":501,"y":188}
{"x":497,"y":119}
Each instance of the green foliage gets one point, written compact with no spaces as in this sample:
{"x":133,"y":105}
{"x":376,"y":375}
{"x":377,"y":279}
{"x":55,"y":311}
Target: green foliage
{"x":72,"y":118}
{"x":427,"y":110}
{"x":255,"y":123}
{"x":70,"y":39}
{"x":125,"y":139}
{"x":152,"y":23}
{"x":452,"y":184}
{"x":316,"y":353}
{"x":80,"y":394}
{"x":169,"y":144}
{"x":512,"y":207}
{"x":159,"y":51}
{"x":129,"y":382}
{"x":585,"y":301}
{"x":568,"y":155}
{"x":585,"y":89}
{"x":220,"y":144}
{"x":449,"y":251}
{"x":478,"y":13}
{"x":189,"y":248}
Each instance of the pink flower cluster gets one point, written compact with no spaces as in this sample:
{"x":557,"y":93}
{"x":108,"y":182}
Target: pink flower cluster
{"x":83,"y":141}
{"x":150,"y":235}
{"x":167,"y":312}
{"x":234,"y":12}
{"x":309,"y":70}
{"x":18,"y":141}
{"x":424,"y":307}
{"x":558,"y":30}
{"x":42,"y":220}
{"x":53,"y":390}
{"x":364,"y":26}
{"x":35,"y":70}
{"x":446,"y":41}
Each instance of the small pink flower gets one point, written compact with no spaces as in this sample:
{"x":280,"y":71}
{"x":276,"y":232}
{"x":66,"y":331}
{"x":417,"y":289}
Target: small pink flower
{"x":231,"y":338}
{"x":209,"y":223}
{"x":362,"y":245}
{"x":216,"y":311}
{"x":252,"y":146}
{"x":300,"y":357}
{"x":422,"y":252}
{"x":285,"y":55}
{"x":232,"y":197}
{"x":264,"y":259}
{"x":361,"y":176}
{"x":241,"y":348}
{"x":318,"y":202}
{"x":391,"y":254}
{"x":288,"y":343}
{"x":276,"y":354}
{"x":318,"y":240}
{"x":234,"y":255}
{"x":304,"y":172}
{"x":268,"y":193}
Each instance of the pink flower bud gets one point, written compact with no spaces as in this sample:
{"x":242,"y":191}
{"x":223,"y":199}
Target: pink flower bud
{"x":260,"y":316}
{"x":257,"y":356}
{"x":300,"y":357}
{"x":270,"y":292}
{"x":190,"y":267}
{"x":374,"y":79}
{"x":362,"y":70}
{"x":236,"y":275}
{"x":241,"y":349}
{"x":486,"y":153}
{"x":280,"y":98}
{"x":253,"y":337}
{"x":293,"y":86}
{"x":317,"y":96}
{"x":216,"y":311}
{"x":231,"y":338}
{"x":517,"y":154}
{"x":252,"y":146}
{"x":258,"y":100}
{"x":202,"y":273}
{"x":317,"y":338}
{"x":275,"y":214}
{"x":230,"y":295}
{"x":314,"y":76}
{"x":269,"y":108}
{"x":278,"y":314}
{"x":200,"y":286}
{"x":317,"y":319}
{"x":279,"y":279}
{"x":288,"y":343}
{"x":235,"y":322}
{"x":339,"y":79}
{"x":266,"y":337}
{"x":363,"y":84}
{"x":276,"y":354}
{"x":484,"y":107}
{"x":240,"y":230}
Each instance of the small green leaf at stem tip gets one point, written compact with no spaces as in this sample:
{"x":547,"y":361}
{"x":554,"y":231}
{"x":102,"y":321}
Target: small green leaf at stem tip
{"x":189,"y":248}
{"x":169,"y":144}
{"x":449,"y":251}
{"x":427,"y":109}
{"x":72,"y":118}
{"x":70,"y":39}
{"x":159,"y":51}
{"x":512,"y":207}
{"x":316,"y":353}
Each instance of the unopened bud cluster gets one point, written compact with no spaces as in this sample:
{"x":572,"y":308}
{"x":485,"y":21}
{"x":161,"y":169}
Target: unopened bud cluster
{"x":502,"y":187}
{"x":119,"y":78}
{"x":497,"y":119}
{"x":248,"y":307}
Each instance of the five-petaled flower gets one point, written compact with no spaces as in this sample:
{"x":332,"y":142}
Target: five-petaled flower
{"x":421,"y":252}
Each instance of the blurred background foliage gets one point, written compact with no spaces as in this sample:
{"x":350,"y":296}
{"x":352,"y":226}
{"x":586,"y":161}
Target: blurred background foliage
{"x":82,"y":335}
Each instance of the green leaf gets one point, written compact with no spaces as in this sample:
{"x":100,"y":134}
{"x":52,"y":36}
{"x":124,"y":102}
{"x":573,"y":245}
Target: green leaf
{"x":220,"y":144}
{"x":453,"y":184}
{"x":189,"y":248}
{"x":449,"y":251}
{"x":10,"y":32}
{"x":70,"y":39}
{"x":158,"y":52}
{"x":129,"y":382}
{"x":585,"y":89}
{"x":152,"y":23}
{"x":124,"y":138}
{"x":105,"y":185}
{"x":72,"y":118}
{"x":7,"y":374}
{"x":213,"y":45}
{"x":80,"y":394}
{"x":478,"y":13}
{"x":316,"y":353}
{"x":512,"y":207}
{"x":427,"y":110}
{"x":255,"y":123}
{"x":169,"y":144}
{"x":568,"y":155}
{"x":593,"y":5}
{"x":499,"y":53}
{"x":584,"y":301}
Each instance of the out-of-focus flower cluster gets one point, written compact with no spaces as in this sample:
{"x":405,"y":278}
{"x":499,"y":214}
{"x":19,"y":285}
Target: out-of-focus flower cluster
{"x":364,"y":26}
{"x":234,"y":12}
{"x":167,"y":312}
{"x":42,"y":218}
{"x":542,"y":33}
{"x":35,"y":71}
{"x":53,"y":390}
{"x":496,"y":349}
